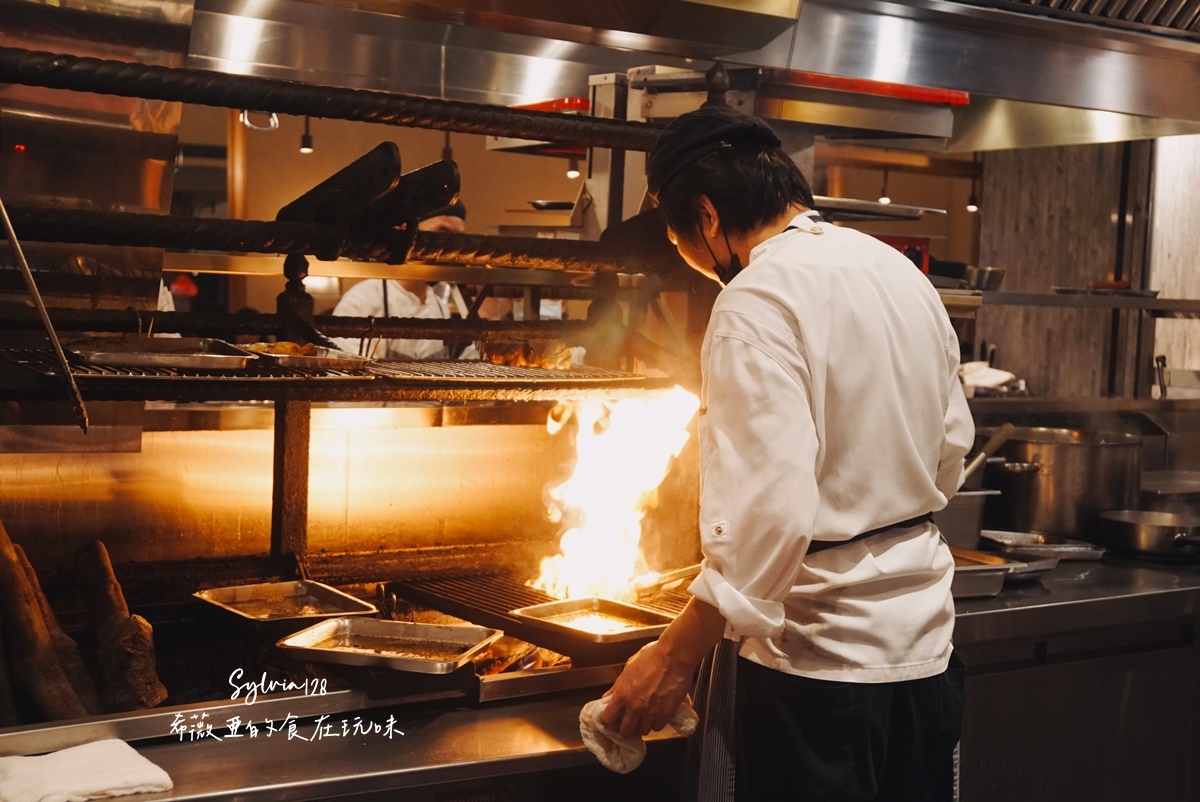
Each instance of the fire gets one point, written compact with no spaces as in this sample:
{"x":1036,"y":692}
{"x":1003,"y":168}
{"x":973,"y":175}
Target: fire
{"x":623,"y":451}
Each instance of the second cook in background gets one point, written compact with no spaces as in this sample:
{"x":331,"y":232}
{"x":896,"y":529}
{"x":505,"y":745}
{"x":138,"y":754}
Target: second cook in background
{"x":404,"y":298}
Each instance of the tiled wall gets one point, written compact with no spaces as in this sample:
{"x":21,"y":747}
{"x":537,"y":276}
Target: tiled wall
{"x":1175,"y":244}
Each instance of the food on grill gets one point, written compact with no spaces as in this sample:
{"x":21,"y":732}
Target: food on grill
{"x":66,"y":648}
{"x":128,"y":672}
{"x":35,"y":665}
{"x":283,"y":348}
{"x":550,"y":354}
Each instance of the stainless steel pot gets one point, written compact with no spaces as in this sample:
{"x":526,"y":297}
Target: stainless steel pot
{"x":1058,"y":481}
{"x":1155,"y":534}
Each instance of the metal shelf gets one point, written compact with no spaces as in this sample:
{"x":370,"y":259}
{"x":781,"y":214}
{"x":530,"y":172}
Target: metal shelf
{"x":1158,"y":307}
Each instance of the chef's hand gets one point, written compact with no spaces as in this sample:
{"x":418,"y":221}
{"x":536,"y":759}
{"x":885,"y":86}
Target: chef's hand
{"x":647,"y":694}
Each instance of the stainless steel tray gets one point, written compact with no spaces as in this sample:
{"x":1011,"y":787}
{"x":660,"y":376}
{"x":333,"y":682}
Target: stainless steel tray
{"x":204,"y":353}
{"x":321,"y":359}
{"x":300,"y":603}
{"x":978,"y":575}
{"x":398,"y":645}
{"x":1031,"y":544}
{"x":596,"y":620}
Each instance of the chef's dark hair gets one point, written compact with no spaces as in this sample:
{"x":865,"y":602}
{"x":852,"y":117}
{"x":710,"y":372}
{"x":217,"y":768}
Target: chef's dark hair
{"x":748,"y":184}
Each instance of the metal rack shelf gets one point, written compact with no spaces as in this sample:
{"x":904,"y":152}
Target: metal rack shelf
{"x":1158,"y":307}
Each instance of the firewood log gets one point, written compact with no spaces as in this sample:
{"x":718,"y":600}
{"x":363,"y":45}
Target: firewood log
{"x":128,"y":672}
{"x":66,"y":648}
{"x":36,"y":669}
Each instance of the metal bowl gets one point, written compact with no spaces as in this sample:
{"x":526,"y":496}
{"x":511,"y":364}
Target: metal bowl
{"x":984,"y":278}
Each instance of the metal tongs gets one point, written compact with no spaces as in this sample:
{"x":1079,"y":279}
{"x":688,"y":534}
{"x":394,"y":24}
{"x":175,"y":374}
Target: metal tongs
{"x":76,"y":398}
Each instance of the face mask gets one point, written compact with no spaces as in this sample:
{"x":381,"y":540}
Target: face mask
{"x":726,"y":273}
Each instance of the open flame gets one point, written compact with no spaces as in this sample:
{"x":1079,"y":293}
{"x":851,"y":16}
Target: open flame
{"x":624,"y":449}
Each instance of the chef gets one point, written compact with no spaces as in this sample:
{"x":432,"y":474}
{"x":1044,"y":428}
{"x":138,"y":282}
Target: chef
{"x":404,"y":298}
{"x":832,"y":424}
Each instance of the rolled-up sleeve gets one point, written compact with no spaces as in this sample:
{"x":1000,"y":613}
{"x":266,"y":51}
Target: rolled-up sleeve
{"x":756,"y":513}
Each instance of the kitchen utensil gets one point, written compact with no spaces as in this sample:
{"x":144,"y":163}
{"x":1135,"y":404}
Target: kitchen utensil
{"x":398,"y":645}
{"x":999,"y":438}
{"x":279,"y":604}
{"x":977,"y":575}
{"x":1035,"y":546}
{"x":1058,"y":481}
{"x":1171,"y":491}
{"x":962,"y":517}
{"x":649,"y":584}
{"x":77,"y":404}
{"x":984,"y":278}
{"x":202,"y":353}
{"x":322,"y":359}
{"x":595,"y":619}
{"x":1160,"y":371}
{"x":1154,"y":534}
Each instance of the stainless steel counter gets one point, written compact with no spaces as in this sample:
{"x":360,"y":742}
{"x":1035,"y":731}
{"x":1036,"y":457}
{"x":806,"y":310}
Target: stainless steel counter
{"x":437,"y":746}
{"x":442,"y":744}
{"x":1081,"y":595}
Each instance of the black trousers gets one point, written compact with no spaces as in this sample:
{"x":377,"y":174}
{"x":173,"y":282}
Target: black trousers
{"x":809,"y":740}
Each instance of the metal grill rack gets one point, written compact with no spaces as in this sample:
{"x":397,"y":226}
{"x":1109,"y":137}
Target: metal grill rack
{"x":36,"y":376}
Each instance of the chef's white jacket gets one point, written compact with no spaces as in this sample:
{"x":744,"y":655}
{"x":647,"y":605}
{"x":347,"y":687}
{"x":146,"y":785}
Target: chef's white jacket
{"x":831,"y":406}
{"x":365,"y":299}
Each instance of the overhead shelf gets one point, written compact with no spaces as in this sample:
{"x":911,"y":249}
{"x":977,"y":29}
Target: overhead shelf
{"x":1158,"y":307}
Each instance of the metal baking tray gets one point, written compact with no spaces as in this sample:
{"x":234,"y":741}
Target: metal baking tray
{"x":321,"y":359}
{"x":1031,"y":544}
{"x":596,"y":620}
{"x":204,"y":353}
{"x":300,"y":602}
{"x":978,"y":575}
{"x":398,"y":645}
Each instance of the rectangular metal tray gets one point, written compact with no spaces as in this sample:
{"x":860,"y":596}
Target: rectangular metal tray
{"x":978,"y":575}
{"x":300,"y":602}
{"x":1031,"y":544}
{"x":596,"y":620}
{"x":322,"y":358}
{"x":398,"y":645}
{"x":204,"y":353}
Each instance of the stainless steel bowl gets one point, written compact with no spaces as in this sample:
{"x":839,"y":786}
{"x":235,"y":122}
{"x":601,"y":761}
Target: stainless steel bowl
{"x":984,"y":278}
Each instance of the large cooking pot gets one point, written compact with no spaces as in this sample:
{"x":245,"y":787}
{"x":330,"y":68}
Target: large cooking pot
{"x":1058,"y":481}
{"x":1156,"y":534}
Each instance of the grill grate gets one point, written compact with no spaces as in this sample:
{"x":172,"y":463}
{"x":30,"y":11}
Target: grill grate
{"x":44,"y":363}
{"x":486,"y":599}
{"x":477,"y":371}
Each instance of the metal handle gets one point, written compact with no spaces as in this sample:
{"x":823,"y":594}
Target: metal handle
{"x":272,"y":120}
{"x":1160,"y":370}
{"x":1184,"y":539}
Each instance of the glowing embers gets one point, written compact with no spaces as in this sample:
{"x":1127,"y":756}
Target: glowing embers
{"x":624,"y":449}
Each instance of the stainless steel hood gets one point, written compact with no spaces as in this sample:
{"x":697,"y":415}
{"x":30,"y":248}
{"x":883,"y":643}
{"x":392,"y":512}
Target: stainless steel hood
{"x":1035,"y":78}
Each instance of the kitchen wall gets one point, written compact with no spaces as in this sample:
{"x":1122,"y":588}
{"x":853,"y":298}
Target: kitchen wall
{"x":1049,"y":216}
{"x":1175,"y":244}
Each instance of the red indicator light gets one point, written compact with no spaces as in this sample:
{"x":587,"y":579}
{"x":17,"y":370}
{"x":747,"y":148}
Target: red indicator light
{"x":19,"y":148}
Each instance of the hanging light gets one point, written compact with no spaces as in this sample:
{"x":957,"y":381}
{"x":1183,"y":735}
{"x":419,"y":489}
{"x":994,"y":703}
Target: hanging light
{"x":306,"y":143}
{"x":883,"y":193}
{"x":573,"y":168}
{"x":973,"y":199}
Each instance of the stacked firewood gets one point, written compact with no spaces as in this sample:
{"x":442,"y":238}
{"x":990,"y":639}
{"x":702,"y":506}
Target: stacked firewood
{"x":41,"y":663}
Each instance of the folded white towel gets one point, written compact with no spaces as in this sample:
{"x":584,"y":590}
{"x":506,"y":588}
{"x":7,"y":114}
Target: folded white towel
{"x":619,"y":754}
{"x":98,"y":770}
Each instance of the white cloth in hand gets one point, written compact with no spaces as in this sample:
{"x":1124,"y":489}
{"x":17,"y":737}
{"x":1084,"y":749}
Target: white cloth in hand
{"x":617,"y":753}
{"x":98,"y":770}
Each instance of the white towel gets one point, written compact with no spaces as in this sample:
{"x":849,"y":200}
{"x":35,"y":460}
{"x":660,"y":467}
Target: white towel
{"x":97,"y":770}
{"x":619,"y":754}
